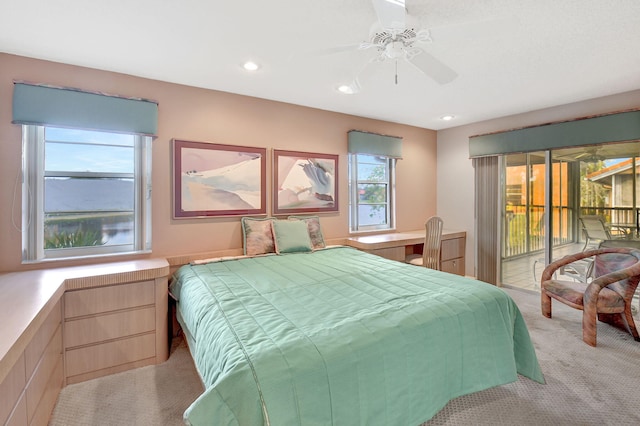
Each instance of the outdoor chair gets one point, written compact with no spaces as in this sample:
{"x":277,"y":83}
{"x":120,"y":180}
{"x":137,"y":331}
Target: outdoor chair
{"x":607,"y":298}
{"x":578,"y":271}
{"x":595,"y":231}
{"x":430,"y":256}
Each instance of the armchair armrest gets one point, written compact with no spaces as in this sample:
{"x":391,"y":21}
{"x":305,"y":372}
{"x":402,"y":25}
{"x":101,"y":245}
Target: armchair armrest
{"x":628,"y":273}
{"x":548,"y":272}
{"x":604,"y":280}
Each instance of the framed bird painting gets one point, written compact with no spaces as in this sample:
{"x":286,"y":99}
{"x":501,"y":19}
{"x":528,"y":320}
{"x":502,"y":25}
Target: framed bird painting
{"x":304,"y":182}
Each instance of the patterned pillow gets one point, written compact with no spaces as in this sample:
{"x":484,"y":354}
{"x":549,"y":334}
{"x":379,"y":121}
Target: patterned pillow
{"x":315,"y":231}
{"x":257,"y":235}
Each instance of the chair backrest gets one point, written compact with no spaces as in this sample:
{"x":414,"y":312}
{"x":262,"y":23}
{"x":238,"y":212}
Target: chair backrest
{"x":608,"y":263}
{"x":593,"y":228}
{"x":433,"y":236}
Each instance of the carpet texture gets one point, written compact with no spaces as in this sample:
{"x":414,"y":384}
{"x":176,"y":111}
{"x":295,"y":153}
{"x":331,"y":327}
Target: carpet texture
{"x":152,"y":395}
{"x":585,"y":385}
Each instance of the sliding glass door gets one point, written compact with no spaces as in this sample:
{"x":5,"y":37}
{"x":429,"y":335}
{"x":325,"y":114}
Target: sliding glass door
{"x":526,"y":180}
{"x":524,"y":189}
{"x":545,"y":193}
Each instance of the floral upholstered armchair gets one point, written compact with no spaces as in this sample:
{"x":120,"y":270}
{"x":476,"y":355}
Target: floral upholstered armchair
{"x":608,"y":297}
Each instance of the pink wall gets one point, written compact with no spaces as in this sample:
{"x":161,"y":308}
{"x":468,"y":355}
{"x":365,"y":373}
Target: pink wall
{"x":205,"y":115}
{"x":458,"y":175}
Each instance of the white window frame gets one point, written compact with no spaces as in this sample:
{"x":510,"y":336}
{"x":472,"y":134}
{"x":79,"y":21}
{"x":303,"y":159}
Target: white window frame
{"x":354,"y":200}
{"x":33,"y":166}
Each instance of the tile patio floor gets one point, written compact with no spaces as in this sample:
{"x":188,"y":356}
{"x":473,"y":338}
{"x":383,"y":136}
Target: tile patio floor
{"x":519,"y":272}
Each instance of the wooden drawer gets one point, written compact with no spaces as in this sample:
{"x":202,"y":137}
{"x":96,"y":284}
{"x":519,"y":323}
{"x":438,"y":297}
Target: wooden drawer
{"x":50,"y":361}
{"x":110,"y":326}
{"x":105,"y":299}
{"x":10,"y":389}
{"x":49,"y":396}
{"x":110,"y":354}
{"x":19,"y":415}
{"x":452,"y":249}
{"x":36,"y":347}
{"x":454,"y":266}
{"x":393,"y":253}
{"x":29,"y":392}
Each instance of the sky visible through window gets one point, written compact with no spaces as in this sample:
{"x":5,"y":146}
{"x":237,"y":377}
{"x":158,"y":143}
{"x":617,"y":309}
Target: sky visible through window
{"x":613,"y":162}
{"x":77,"y":150}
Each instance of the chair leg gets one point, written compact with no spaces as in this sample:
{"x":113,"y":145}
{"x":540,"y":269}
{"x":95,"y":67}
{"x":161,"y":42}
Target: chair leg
{"x":623,"y":321}
{"x":632,"y":325}
{"x":545,"y":304}
{"x":589,"y":325}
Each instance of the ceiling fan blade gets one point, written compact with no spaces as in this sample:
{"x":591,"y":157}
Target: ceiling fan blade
{"x":392,"y":14}
{"x":355,"y":86}
{"x":432,"y":67}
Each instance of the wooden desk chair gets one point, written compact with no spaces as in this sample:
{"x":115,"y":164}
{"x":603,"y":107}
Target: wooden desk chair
{"x":430,"y":256}
{"x":608,"y":297}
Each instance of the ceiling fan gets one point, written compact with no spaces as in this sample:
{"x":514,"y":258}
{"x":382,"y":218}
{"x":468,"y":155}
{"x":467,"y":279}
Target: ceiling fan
{"x":395,"y":36}
{"x":590,"y":155}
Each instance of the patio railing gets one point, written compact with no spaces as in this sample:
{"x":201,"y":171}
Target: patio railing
{"x":524,"y":226}
{"x":612,"y":215}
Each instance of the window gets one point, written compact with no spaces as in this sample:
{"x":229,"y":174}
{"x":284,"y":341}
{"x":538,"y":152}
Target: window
{"x":371,"y":194}
{"x":84,"y":193}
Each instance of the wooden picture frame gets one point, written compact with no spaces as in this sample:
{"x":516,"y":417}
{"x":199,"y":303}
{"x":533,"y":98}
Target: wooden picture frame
{"x":211,"y":179}
{"x":304,"y":182}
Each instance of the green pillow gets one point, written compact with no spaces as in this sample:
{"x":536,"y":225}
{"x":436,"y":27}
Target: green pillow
{"x":315,"y":231}
{"x":291,"y":236}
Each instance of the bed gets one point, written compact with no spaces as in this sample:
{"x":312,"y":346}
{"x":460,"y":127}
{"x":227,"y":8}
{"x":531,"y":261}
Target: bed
{"x":339,"y":336}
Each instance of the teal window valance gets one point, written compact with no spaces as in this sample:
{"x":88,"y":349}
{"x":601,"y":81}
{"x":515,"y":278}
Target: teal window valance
{"x":374,"y":144}
{"x":618,"y":127}
{"x":64,"y":107}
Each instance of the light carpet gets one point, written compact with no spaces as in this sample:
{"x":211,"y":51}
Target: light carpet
{"x":585,"y":385}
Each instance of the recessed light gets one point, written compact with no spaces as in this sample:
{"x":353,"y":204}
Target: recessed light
{"x":447,"y":117}
{"x":349,"y":89}
{"x":250,"y":66}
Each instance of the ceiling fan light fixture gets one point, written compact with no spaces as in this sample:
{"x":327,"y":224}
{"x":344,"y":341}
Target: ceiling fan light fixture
{"x":447,"y":117}
{"x":394,"y":49}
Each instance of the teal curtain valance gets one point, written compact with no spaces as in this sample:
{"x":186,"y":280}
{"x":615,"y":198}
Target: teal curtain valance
{"x":64,"y":107}
{"x":374,"y":144}
{"x":618,"y":127}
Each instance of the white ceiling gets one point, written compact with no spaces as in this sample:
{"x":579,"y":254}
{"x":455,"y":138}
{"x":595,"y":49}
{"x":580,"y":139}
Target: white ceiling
{"x":511,"y":56}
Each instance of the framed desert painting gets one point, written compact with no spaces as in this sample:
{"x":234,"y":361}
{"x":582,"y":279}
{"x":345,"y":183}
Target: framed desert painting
{"x":218,"y":180}
{"x":304,"y":182}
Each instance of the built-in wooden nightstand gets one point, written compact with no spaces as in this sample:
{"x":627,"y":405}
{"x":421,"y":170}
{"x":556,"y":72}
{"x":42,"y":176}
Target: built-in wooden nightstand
{"x":113,"y":323}
{"x":65,"y":325}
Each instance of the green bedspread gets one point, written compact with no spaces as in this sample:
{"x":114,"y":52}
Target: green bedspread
{"x":343,"y":337}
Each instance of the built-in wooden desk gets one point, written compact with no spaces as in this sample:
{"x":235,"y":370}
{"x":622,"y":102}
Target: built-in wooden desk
{"x":398,"y":245}
{"x":101,"y":303}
